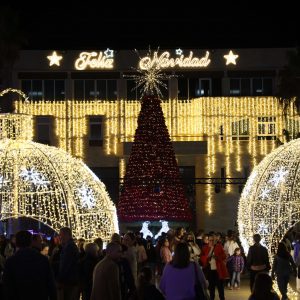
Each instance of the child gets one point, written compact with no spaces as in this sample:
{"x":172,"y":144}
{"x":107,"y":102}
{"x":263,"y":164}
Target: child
{"x":236,"y":263}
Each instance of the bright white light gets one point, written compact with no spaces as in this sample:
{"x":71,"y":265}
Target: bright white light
{"x":145,"y":230}
{"x":264,"y":193}
{"x":263,"y":228}
{"x":164,"y":228}
{"x":54,"y":59}
{"x":87,"y":197}
{"x":109,"y":53}
{"x":33,"y":176}
{"x":178,"y":51}
{"x":278,"y":176}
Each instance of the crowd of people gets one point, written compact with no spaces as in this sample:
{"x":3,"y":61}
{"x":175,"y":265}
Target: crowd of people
{"x":132,"y":267}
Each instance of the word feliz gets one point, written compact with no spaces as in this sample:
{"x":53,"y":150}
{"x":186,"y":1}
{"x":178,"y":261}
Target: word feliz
{"x":164,"y":61}
{"x":94,"y":60}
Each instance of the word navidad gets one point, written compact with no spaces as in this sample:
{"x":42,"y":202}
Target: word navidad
{"x":94,"y":60}
{"x":165,"y":61}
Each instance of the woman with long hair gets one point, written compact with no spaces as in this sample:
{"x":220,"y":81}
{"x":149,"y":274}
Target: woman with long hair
{"x":179,"y":277}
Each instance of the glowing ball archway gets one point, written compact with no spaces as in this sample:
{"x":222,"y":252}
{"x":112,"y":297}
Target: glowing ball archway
{"x":47,"y":184}
{"x":270,"y":202}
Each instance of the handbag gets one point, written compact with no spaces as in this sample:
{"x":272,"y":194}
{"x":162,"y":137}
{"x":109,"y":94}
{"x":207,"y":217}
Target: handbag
{"x":200,"y":291}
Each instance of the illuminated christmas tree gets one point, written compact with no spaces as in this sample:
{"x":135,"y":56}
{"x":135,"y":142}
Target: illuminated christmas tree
{"x":152,"y":189}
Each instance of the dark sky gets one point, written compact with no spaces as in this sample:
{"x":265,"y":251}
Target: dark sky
{"x":125,"y":24}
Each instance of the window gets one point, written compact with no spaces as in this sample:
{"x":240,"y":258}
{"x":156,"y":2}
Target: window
{"x":183,"y":89}
{"x":43,"y":129}
{"x":190,"y":88}
{"x":251,"y":86}
{"x":266,"y":128}
{"x":91,"y":89}
{"x":96,"y":130}
{"x":132,"y":93}
{"x":199,"y":87}
{"x":240,"y":130}
{"x":49,"y":89}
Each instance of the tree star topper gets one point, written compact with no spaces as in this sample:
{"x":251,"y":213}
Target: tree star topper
{"x":231,"y":58}
{"x":149,"y":81}
{"x":54,"y":59}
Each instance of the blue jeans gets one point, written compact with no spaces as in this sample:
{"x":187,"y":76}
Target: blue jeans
{"x":236,"y":277}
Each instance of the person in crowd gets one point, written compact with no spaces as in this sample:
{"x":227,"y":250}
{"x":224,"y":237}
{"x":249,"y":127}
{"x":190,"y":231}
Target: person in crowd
{"x":179,"y":237}
{"x":236,"y":264}
{"x":80,"y":245}
{"x":36,"y":242}
{"x":128,"y":286}
{"x":54,"y":243}
{"x":179,"y":277}
{"x":86,"y":269}
{"x":263,"y":288}
{"x":131,"y":253}
{"x":257,"y":259}
{"x":283,"y":266}
{"x":27,"y":274}
{"x":165,"y":253}
{"x":106,"y":277}
{"x":229,"y":248}
{"x":99,"y":243}
{"x":45,"y":249}
{"x":297,"y":247}
{"x":10,"y":247}
{"x":141,"y":253}
{"x":146,"y":290}
{"x":199,"y":238}
{"x":193,"y":247}
{"x":3,"y":243}
{"x":213,"y":261}
{"x":68,"y":273}
{"x":151,"y":254}
{"x":55,"y":257}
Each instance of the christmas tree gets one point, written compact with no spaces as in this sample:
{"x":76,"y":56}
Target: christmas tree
{"x":152,"y":187}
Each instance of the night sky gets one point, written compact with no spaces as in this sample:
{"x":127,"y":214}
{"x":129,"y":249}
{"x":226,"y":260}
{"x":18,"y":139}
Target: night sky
{"x":131,"y":24}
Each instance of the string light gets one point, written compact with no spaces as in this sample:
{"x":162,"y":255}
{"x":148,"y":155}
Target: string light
{"x":194,"y":120}
{"x":270,"y":202}
{"x":47,"y":184}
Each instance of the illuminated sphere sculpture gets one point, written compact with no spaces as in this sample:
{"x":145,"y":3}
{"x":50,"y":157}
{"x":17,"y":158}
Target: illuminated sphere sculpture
{"x":47,"y":184}
{"x":270,"y":202}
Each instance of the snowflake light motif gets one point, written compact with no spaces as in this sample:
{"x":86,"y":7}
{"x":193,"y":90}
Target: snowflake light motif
{"x":34,"y":177}
{"x":278,"y":176}
{"x":87,"y":197}
{"x":263,"y":228}
{"x":264,"y":193}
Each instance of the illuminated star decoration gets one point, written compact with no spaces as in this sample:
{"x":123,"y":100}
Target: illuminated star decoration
{"x":109,"y":53}
{"x":231,"y":58}
{"x":87,"y":197}
{"x":178,"y":51}
{"x":278,"y":176}
{"x":149,"y":80}
{"x":264,"y":193}
{"x":34,"y":177}
{"x":54,"y":59}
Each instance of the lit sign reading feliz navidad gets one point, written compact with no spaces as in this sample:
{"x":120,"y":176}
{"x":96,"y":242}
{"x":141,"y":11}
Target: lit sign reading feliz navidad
{"x":95,"y":60}
{"x":165,"y":61}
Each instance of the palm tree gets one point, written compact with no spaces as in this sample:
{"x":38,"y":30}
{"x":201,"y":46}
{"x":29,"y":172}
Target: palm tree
{"x":11,"y":40}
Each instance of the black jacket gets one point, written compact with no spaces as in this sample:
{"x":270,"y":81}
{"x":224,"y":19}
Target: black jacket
{"x":27,"y":275}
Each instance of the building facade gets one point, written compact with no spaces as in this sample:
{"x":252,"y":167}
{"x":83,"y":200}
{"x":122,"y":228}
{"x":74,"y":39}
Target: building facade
{"x":219,"y":106}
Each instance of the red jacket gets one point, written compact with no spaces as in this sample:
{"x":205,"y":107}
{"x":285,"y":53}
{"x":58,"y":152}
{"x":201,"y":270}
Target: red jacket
{"x":220,"y":257}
